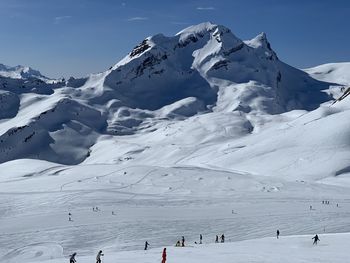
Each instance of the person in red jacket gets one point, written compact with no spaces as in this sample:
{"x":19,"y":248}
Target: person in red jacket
{"x":164,"y":255}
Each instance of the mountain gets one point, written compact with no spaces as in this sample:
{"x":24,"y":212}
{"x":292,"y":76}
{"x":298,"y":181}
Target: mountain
{"x":204,"y":61}
{"x":198,"y":96}
{"x":21,"y":72}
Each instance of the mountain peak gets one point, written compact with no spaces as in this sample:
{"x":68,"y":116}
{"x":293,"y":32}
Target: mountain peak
{"x":259,"y":41}
{"x":199,"y":28}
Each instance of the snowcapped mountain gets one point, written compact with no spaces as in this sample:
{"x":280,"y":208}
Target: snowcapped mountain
{"x":202,"y":86}
{"x":20,"y":72}
{"x":204,"y":61}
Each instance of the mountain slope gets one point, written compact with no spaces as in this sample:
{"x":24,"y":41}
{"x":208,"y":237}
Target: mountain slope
{"x":331,"y":72}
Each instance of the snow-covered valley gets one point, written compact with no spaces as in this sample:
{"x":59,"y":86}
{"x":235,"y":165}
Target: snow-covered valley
{"x":199,"y":133}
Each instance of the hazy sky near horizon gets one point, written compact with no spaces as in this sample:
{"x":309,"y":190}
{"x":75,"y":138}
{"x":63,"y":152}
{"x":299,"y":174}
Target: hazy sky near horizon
{"x":78,"y":37}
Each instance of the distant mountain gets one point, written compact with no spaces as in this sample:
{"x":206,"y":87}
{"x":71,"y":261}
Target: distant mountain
{"x":20,"y":72}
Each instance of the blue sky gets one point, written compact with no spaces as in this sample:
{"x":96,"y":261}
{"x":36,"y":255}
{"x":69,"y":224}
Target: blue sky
{"x":77,"y":37}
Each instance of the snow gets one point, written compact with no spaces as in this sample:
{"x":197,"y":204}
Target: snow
{"x":331,"y":72}
{"x":171,"y":139}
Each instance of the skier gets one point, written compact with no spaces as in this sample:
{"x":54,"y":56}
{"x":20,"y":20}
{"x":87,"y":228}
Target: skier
{"x":146,"y":245}
{"x":164,"y":255}
{"x":69,"y":217}
{"x":183,"y":241}
{"x":315,"y":238}
{"x":98,"y":257}
{"x":72,"y":258}
{"x":200,"y":239}
{"x":216,"y":239}
{"x":222,"y":238}
{"x":278,"y":233}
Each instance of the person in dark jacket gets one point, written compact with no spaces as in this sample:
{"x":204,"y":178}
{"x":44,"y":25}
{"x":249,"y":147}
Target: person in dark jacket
{"x":72,"y":258}
{"x":98,"y":257}
{"x":277,"y":233}
{"x":183,"y":241}
{"x":222,"y":238}
{"x":216,"y":239}
{"x":146,"y":245}
{"x":200,"y":239}
{"x":316,"y":239}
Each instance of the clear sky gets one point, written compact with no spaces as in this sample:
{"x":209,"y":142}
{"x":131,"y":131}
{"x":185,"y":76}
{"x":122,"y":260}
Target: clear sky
{"x":77,"y":37}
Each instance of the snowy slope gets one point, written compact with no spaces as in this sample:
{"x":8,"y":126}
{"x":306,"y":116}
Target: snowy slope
{"x":331,"y":72}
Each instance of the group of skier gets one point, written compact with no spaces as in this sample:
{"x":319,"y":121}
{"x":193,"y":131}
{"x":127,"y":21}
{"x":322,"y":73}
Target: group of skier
{"x":98,"y":257}
{"x":179,"y":244}
{"x":182,"y":243}
{"x":222,"y":239}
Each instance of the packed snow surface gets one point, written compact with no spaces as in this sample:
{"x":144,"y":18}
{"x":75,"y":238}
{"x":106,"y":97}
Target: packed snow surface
{"x":197,"y":133}
{"x":291,"y":249}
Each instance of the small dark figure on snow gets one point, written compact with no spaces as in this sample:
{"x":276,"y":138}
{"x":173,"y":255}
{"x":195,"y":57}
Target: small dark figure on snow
{"x":222,"y":238}
{"x":277,"y":233}
{"x":183,"y":241}
{"x":216,"y":239}
{"x":316,"y":239}
{"x":164,"y":255}
{"x":310,"y":207}
{"x":337,"y":205}
{"x":146,"y":245}
{"x":178,"y":244}
{"x":72,"y":258}
{"x":69,"y":217}
{"x":98,"y":257}
{"x":200,"y":239}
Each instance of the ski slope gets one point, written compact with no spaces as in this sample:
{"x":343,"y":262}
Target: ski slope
{"x":157,"y":204}
{"x":331,"y":248}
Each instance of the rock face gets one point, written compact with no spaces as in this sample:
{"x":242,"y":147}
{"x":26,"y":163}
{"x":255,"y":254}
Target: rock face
{"x":204,"y":68}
